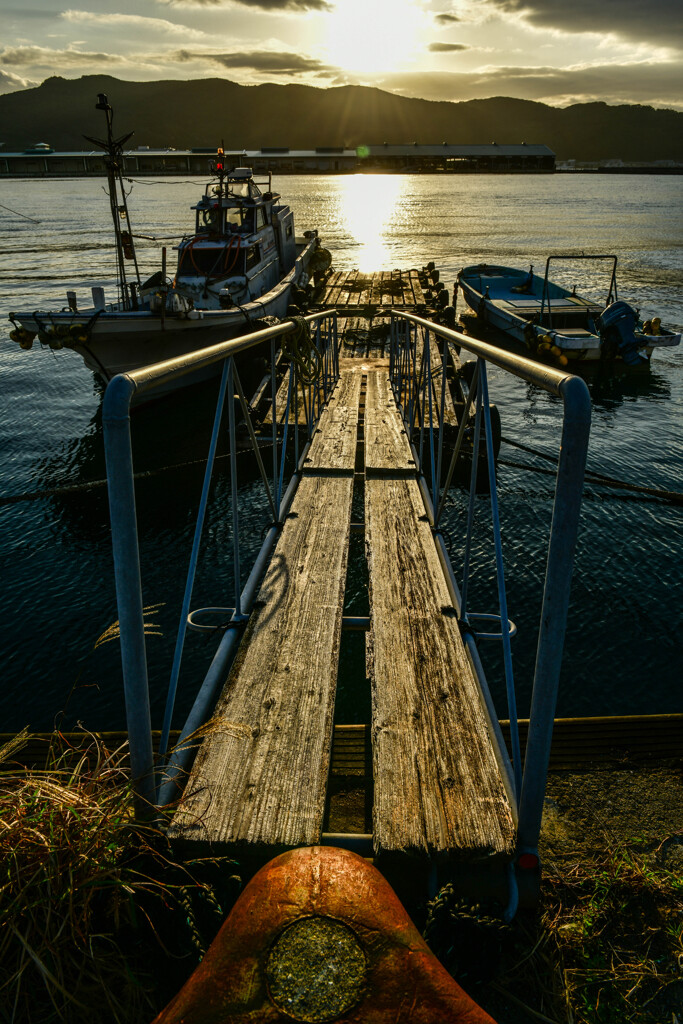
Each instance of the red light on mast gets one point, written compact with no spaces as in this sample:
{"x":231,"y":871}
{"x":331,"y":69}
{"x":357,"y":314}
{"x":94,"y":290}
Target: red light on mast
{"x":219,"y":161}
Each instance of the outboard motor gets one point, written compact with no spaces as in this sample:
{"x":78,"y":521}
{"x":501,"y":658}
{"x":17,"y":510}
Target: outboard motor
{"x":617,"y":326}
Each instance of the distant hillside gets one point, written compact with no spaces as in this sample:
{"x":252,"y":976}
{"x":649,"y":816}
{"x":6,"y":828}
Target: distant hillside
{"x":201,"y":113}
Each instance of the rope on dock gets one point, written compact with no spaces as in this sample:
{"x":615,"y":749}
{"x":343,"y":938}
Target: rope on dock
{"x":672,"y":497}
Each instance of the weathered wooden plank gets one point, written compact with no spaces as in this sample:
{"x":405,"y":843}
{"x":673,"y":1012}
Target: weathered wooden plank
{"x":299,"y":408}
{"x":376,"y":290}
{"x":347,"y":288}
{"x":260,"y":778}
{"x":334,"y":287}
{"x":344,"y":399}
{"x":386,"y":445}
{"x":438,"y":789}
{"x":334,"y":444}
{"x":364,"y":295}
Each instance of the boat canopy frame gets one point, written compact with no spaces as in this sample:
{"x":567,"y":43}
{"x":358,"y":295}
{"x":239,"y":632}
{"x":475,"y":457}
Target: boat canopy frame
{"x":612,"y":294}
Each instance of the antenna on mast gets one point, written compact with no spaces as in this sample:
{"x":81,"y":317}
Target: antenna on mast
{"x":125,"y":248}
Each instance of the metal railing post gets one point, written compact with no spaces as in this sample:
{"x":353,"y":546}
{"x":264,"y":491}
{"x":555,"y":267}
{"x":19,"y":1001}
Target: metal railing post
{"x":119,"y":460}
{"x":563,"y":535}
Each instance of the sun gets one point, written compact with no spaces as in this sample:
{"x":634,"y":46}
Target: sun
{"x":374,"y":36}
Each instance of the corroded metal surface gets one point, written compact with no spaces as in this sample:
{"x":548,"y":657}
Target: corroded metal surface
{"x":316,"y":969}
{"x":391,"y":974}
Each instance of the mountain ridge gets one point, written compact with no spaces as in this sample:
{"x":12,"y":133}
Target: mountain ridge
{"x":202,"y":112}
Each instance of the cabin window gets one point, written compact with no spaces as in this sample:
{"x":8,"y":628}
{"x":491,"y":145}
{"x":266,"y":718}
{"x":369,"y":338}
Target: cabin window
{"x":209,"y":219}
{"x":253,"y":257}
{"x":260,"y":217}
{"x":235,"y":218}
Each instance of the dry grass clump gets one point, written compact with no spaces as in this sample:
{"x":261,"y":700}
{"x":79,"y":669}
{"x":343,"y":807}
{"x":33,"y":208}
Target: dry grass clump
{"x":615,"y":940}
{"x":88,"y":897}
{"x":605,"y":946}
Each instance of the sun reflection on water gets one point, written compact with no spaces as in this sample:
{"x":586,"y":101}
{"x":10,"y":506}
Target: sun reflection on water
{"x":369,"y":205}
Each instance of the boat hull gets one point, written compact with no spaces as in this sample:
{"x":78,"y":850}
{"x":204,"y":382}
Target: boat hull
{"x":114,"y":341}
{"x":496,"y":294}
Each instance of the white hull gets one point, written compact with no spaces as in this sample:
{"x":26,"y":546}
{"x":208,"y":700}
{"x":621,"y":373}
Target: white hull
{"x":121,"y":341}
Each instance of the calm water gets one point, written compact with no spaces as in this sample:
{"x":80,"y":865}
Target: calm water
{"x":623,"y":652}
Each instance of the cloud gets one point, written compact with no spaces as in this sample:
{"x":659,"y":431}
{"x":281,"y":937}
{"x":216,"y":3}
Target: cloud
{"x":654,"y":21}
{"x":263,"y":61}
{"x":654,"y":82}
{"x":12,"y":83}
{"x":295,"y":6}
{"x":447,"y":47}
{"x":446,"y":19}
{"x":41,"y":56}
{"x":134,"y":21}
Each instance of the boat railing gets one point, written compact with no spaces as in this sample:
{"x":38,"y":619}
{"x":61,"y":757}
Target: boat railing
{"x":419,"y":380}
{"x":312,"y":374}
{"x":612,"y":295}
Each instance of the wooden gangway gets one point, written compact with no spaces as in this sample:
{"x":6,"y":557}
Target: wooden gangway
{"x":260,"y":778}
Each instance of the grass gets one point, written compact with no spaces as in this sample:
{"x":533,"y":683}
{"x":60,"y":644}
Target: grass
{"x":605,"y":946}
{"x":98,"y":922}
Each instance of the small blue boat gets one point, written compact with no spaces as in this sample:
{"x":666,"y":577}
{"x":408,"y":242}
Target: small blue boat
{"x":557,"y":325}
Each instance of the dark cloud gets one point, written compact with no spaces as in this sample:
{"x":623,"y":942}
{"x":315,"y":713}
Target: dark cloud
{"x":264,"y":5}
{"x":651,"y":21}
{"x":270,"y":61}
{"x":41,"y":56}
{"x":446,"y":19}
{"x":654,"y":82}
{"x":287,"y":5}
{"x":447,"y":47}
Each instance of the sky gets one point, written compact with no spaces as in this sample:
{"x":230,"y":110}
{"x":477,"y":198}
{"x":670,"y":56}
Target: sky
{"x":554,"y":51}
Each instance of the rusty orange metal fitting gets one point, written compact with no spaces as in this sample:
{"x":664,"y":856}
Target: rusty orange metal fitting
{"x":319,"y":935}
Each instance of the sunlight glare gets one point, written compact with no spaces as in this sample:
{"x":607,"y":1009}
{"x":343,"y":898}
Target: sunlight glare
{"x":374,"y":35}
{"x":369,"y":204}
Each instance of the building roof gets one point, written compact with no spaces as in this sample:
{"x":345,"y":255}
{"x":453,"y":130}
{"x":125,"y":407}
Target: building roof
{"x":490,"y":149}
{"x":438,"y":150}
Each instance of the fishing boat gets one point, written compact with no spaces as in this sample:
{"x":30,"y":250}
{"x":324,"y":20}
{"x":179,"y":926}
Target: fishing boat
{"x":239,"y":264}
{"x":556,"y":324}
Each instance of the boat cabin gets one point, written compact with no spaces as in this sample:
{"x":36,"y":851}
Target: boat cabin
{"x":242,"y":246}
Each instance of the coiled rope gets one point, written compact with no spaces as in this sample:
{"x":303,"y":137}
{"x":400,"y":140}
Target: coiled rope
{"x":299,"y":348}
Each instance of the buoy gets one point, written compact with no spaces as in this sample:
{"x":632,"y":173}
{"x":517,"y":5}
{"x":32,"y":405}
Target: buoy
{"x":319,"y":935}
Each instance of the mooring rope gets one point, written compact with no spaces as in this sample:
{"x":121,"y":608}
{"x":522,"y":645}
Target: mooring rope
{"x":16,"y":212}
{"x":90,"y":485}
{"x":673,"y":497}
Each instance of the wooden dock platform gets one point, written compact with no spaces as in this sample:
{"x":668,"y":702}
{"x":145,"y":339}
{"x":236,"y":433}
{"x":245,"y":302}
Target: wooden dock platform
{"x":260,"y":779}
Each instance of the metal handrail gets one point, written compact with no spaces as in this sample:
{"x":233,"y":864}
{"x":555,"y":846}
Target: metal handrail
{"x":527,"y":787}
{"x":119,"y":461}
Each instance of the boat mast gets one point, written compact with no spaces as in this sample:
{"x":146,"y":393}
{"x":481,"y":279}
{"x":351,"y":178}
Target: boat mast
{"x":125,"y":248}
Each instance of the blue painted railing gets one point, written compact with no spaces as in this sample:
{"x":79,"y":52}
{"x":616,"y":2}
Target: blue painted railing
{"x":420,"y":388}
{"x":313,"y":371}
